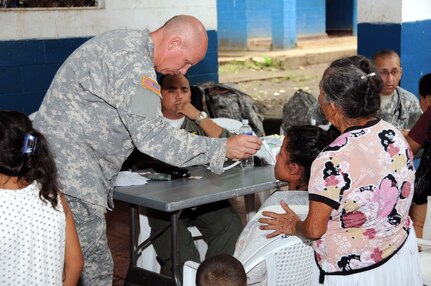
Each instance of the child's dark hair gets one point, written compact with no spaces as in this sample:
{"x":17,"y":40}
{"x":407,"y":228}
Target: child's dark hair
{"x":221,"y":270}
{"x":304,"y":144}
{"x":35,"y":165}
{"x":425,"y":85}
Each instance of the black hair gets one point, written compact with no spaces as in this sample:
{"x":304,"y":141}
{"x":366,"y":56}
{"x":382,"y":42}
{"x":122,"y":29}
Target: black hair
{"x":353,"y":84}
{"x":425,"y":85}
{"x":305,"y":143}
{"x":162,"y":78}
{"x":384,"y":53}
{"x":221,"y":270}
{"x":34,"y":166}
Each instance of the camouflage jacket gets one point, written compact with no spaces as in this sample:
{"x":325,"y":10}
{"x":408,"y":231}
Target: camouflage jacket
{"x":402,"y":111}
{"x":102,"y":102}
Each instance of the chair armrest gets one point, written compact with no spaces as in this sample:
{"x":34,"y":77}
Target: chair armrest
{"x":424,"y":242}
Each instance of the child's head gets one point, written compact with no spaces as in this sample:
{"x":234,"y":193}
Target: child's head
{"x":221,"y":270}
{"x":24,"y":154}
{"x":300,"y":147}
{"x":425,"y":91}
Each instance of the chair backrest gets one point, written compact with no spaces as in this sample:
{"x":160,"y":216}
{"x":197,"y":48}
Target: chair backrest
{"x":288,"y":259}
{"x":427,"y":224}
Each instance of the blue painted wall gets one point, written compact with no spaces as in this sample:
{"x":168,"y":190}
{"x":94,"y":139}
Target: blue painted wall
{"x":339,"y":15}
{"x":258,"y":15}
{"x":283,"y":24}
{"x":239,"y":20}
{"x":415,"y":53}
{"x":407,"y":39}
{"x":27,"y":68}
{"x":232,"y":24}
{"x":310,"y":17}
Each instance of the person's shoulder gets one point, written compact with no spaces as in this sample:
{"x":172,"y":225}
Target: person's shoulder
{"x":405,"y":94}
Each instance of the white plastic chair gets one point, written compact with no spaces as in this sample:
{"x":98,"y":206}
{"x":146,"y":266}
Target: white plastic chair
{"x":425,"y":244}
{"x":288,"y":259}
{"x":147,"y":259}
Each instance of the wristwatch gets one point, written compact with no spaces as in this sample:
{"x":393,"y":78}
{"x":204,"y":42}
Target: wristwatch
{"x":202,"y":116}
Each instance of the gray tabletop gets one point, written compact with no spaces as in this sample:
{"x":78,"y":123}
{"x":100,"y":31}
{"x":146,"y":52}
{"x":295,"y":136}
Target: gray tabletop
{"x":179,"y":194}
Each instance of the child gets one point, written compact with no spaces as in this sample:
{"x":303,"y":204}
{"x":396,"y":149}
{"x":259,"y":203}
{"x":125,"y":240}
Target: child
{"x":301,"y":145}
{"x":221,"y":270}
{"x":38,"y":239}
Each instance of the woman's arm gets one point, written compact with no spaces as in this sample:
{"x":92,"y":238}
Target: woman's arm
{"x":313,"y":227}
{"x":73,"y":259}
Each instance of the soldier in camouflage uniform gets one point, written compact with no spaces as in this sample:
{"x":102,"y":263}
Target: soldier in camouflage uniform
{"x":398,"y":106}
{"x":218,"y":222}
{"x":103,"y":101}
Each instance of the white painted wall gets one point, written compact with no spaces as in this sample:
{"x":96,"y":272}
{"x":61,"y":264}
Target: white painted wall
{"x":19,"y":24}
{"x":417,"y":10}
{"x":386,"y":11}
{"x":393,"y":11}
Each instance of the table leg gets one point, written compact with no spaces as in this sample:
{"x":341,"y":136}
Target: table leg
{"x":174,"y":257}
{"x":250,"y":206}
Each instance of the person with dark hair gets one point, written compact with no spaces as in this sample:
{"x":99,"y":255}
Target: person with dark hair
{"x":417,"y":139}
{"x":39,"y":243}
{"x":221,"y":270}
{"x":398,"y":106}
{"x":218,"y":222}
{"x":301,"y":146}
{"x":102,"y":103}
{"x":360,"y":189}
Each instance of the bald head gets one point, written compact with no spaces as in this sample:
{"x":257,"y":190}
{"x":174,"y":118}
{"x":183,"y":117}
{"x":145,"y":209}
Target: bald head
{"x":388,"y":65}
{"x":179,"y":44}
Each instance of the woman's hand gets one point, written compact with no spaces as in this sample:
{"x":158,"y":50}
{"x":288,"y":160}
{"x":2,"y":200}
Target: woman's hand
{"x":284,"y":223}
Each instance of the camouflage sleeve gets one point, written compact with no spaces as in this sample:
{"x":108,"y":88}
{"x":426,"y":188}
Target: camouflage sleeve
{"x":412,"y":107}
{"x":140,"y":112}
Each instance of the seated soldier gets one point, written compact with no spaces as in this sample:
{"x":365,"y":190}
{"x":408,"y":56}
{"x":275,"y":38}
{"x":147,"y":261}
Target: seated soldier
{"x":218,"y":222}
{"x":397,"y":106}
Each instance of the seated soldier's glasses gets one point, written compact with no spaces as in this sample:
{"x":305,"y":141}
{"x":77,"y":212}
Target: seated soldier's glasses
{"x":386,"y":73}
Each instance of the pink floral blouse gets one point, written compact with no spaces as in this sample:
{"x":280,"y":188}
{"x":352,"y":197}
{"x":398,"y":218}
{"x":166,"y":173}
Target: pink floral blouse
{"x":366,"y":175}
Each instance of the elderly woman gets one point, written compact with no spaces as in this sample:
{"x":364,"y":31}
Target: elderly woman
{"x":360,"y":189}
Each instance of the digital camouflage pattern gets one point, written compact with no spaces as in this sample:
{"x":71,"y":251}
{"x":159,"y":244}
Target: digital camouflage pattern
{"x":295,"y":111}
{"x":402,"y":111}
{"x":222,"y":100}
{"x":96,"y":110}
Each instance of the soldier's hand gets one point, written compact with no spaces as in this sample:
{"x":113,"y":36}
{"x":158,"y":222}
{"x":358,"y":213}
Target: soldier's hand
{"x":242,"y":146}
{"x":187,"y":109}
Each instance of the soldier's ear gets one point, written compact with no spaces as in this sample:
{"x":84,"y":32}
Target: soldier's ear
{"x":174,"y":43}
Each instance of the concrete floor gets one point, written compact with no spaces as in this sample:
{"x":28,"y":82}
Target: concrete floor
{"x":118,"y":232}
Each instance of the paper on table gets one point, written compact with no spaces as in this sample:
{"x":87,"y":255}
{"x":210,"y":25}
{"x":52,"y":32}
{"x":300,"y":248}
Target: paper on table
{"x":127,"y":178}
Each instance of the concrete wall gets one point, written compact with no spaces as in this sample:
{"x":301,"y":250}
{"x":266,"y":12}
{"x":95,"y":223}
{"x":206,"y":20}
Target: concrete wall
{"x":35,"y":42}
{"x":310,"y":17}
{"x":239,"y":20}
{"x":400,"y":25}
{"x":232,"y":24}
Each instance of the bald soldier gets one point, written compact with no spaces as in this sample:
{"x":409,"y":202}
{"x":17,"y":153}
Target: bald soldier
{"x":104,"y":101}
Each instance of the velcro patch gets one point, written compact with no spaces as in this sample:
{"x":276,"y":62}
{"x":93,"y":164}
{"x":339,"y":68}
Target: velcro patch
{"x":151,"y":84}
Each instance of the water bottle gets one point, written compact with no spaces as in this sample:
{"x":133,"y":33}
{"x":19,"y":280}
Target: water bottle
{"x":245,"y":129}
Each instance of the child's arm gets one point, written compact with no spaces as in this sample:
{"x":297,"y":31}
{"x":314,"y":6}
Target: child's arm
{"x":73,"y":259}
